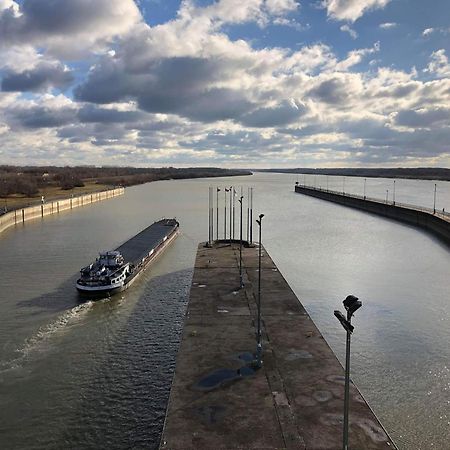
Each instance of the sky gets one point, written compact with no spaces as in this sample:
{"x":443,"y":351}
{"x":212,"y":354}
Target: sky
{"x":229,"y":83}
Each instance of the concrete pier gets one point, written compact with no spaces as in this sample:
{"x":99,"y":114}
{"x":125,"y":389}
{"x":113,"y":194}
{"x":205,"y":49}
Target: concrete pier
{"x":434,"y":221}
{"x":295,"y":401}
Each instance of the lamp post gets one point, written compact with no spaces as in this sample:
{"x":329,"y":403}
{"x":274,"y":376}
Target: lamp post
{"x":351,"y":304}
{"x":217,"y":213}
{"x":241,"y":283}
{"x":258,"y":337}
{"x":365,"y":180}
{"x":434,"y":201}
{"x":343,"y":185}
{"x":393,"y":195}
{"x":387,"y":195}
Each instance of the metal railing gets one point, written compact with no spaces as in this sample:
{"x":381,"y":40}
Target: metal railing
{"x":438,"y":213}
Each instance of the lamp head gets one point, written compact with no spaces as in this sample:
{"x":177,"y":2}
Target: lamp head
{"x":261,"y":216}
{"x":352,"y":304}
{"x":344,"y":322}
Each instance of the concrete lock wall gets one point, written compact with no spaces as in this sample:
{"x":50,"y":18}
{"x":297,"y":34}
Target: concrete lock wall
{"x":20,"y":216}
{"x":437,"y":223}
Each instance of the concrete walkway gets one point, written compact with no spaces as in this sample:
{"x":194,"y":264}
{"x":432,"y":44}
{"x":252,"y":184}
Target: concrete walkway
{"x":295,"y":401}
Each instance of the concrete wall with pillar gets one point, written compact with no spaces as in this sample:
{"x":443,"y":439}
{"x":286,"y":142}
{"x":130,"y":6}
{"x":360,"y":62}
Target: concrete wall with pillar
{"x":20,"y":216}
{"x":436,"y":223}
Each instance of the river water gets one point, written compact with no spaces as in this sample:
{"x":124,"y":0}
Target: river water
{"x":97,"y":374}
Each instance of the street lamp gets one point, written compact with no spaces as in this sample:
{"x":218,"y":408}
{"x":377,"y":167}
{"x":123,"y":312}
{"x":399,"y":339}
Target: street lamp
{"x":351,"y":304}
{"x":365,"y":179}
{"x":241,"y":283}
{"x":434,"y":202}
{"x":258,"y":337}
{"x":393,"y":195}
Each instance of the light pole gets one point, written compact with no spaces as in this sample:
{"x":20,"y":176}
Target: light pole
{"x":343,"y":185}
{"x":387,"y":195}
{"x":217,"y":213}
{"x":365,"y":179}
{"x":241,"y":283}
{"x":434,"y":202}
{"x":351,"y":304}
{"x":258,"y":337}
{"x":393,"y":195}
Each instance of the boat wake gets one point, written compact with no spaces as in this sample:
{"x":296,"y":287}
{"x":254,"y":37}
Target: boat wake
{"x":39,"y":340}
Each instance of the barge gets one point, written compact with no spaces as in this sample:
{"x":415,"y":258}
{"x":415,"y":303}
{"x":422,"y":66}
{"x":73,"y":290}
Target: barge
{"x":114,"y":271}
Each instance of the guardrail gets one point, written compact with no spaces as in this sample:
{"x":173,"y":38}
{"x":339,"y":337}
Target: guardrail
{"x":434,"y":221}
{"x":438,"y":213}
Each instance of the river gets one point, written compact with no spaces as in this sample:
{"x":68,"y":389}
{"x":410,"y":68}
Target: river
{"x":97,"y":374}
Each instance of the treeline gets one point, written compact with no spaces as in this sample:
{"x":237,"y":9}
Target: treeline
{"x":420,"y":173}
{"x":29,"y":180}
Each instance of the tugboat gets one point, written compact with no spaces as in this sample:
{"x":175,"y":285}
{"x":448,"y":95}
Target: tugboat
{"x":114,"y":271}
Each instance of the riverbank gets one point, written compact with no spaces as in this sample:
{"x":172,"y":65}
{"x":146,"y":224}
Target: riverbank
{"x":23,"y":215}
{"x":295,"y":401}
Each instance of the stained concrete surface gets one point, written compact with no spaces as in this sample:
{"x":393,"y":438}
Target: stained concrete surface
{"x":295,"y":401}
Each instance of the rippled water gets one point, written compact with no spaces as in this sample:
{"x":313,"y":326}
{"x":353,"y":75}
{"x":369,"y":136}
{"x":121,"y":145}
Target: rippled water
{"x":97,"y":374}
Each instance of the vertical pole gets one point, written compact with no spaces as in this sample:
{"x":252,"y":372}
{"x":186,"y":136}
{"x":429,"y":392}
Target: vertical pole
{"x":241,"y":285}
{"x":327,"y":183}
{"x":23,"y":216}
{"x":347,"y":386}
{"x":259,"y":342}
{"x":225,"y":214}
{"x":343,"y":185}
{"x":209,"y":215}
{"x":387,"y":195}
{"x":434,"y":202}
{"x":248,"y":214}
{"x":231,"y":215}
{"x":234,"y":201}
{"x":393,"y":196}
{"x":365,"y":179}
{"x":217,"y":213}
{"x":251,"y":215}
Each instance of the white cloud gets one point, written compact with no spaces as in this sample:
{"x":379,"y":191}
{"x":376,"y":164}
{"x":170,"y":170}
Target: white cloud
{"x":351,"y":10}
{"x":428,"y":31}
{"x":346,"y":29}
{"x":387,"y":25}
{"x":439,"y":64}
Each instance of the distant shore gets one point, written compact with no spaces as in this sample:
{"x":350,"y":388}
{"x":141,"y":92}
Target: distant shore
{"x":420,"y":173}
{"x":21,"y":187}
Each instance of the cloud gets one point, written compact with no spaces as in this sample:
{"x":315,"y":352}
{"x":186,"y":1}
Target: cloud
{"x":66,"y":27}
{"x":346,"y":29}
{"x":43,"y":76}
{"x":428,"y":31}
{"x":388,"y":25}
{"x":283,"y":114}
{"x":439,"y":64}
{"x":351,"y":10}
{"x":423,"y":118}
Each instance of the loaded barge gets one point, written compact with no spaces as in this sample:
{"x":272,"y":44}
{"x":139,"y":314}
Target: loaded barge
{"x":114,"y":271}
